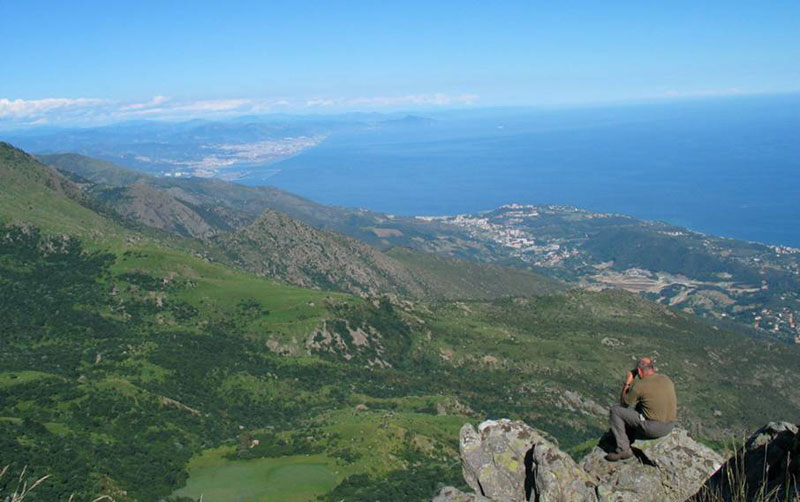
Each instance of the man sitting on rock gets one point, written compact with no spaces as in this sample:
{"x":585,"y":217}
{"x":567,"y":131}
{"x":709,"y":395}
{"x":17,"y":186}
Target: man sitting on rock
{"x":649,"y":407}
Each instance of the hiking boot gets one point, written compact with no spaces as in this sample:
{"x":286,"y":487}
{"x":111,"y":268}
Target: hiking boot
{"x":620,"y":455}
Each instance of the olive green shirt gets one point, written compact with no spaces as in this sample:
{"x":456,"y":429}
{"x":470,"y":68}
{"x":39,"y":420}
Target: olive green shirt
{"x":654,"y":397}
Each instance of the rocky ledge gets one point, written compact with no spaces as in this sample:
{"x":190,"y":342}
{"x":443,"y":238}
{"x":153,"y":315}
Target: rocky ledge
{"x":510,"y":461}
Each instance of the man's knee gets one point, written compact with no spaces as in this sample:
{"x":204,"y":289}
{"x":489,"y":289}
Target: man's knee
{"x":615,"y":416}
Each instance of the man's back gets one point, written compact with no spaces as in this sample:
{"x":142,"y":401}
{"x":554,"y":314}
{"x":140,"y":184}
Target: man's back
{"x":654,"y":397}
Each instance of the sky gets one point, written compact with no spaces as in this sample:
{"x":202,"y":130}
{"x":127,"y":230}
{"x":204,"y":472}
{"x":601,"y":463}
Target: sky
{"x":93,"y":62}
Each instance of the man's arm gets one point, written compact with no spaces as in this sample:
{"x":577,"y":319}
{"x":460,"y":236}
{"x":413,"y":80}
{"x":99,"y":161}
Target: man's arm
{"x":626,"y":388}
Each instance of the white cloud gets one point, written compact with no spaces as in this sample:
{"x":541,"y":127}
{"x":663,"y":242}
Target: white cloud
{"x":154,"y":102}
{"x":313,"y":103}
{"x":35,"y":108}
{"x":93,"y":111}
{"x":216,"y":105}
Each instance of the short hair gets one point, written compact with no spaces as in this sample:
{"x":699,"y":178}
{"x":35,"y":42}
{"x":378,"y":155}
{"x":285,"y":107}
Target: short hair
{"x":645,"y":364}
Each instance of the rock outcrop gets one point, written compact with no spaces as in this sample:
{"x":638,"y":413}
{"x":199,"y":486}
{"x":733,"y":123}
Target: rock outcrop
{"x":670,"y":468}
{"x":767,"y":467}
{"x":511,"y":461}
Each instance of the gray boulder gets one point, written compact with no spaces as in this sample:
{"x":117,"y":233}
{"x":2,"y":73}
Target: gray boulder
{"x":671,"y":468}
{"x":510,"y":461}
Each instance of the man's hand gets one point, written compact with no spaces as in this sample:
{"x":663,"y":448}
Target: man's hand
{"x":625,"y":388}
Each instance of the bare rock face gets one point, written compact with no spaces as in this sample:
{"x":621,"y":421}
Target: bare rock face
{"x":510,"y":461}
{"x":767,"y":466}
{"x":670,"y":468}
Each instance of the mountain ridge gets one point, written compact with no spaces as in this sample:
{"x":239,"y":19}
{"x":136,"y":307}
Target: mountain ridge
{"x":233,"y":230}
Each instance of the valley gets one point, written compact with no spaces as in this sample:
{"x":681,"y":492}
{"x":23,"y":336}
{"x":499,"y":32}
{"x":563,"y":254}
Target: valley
{"x":141,"y":359}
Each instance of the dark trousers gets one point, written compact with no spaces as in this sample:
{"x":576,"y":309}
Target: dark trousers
{"x":624,"y":419}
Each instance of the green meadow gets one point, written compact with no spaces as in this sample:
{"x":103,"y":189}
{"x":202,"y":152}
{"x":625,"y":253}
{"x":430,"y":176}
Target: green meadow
{"x":297,"y":478}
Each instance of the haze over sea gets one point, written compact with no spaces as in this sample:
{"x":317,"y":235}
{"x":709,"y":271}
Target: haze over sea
{"x":724,"y":166}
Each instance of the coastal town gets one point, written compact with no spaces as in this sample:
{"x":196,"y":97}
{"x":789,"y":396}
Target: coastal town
{"x":507,"y":226}
{"x":233,"y":161}
{"x":745,"y":282}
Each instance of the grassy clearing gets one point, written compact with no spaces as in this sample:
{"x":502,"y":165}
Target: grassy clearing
{"x":378,"y":440}
{"x":372,"y":442}
{"x":10,"y":378}
{"x":291,"y":479}
{"x":216,"y":290}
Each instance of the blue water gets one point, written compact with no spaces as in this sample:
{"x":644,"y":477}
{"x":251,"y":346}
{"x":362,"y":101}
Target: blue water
{"x":727,"y":167}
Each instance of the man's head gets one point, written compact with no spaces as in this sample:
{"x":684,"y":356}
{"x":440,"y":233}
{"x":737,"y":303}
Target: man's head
{"x":645,"y":367}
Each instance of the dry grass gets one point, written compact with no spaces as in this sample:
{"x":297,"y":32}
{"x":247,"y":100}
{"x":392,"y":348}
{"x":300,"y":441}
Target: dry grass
{"x":23,"y":489}
{"x":731,"y":484}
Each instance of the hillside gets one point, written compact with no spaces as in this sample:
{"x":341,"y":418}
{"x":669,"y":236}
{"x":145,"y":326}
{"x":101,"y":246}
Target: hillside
{"x":33,"y":193}
{"x":248,"y":202}
{"x":238,"y":225}
{"x":154,"y":208}
{"x":98,"y":171}
{"x":141,"y":365}
{"x":142,"y":371}
{"x":753,"y":284}
{"x":278,"y":246}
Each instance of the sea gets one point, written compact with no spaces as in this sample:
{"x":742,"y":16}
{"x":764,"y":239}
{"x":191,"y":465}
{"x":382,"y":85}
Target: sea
{"x":725,"y":166}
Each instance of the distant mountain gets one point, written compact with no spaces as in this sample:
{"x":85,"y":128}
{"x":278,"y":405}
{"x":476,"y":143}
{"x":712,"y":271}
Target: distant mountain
{"x":226,"y":149}
{"x":254,"y":228}
{"x":234,"y":205}
{"x":407,"y":121}
{"x":754,"y":284}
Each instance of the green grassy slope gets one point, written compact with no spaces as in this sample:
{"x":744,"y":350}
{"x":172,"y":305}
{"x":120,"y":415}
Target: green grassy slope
{"x":35,"y":194}
{"x":96,"y":170}
{"x":458,"y":279}
{"x":293,"y":478}
{"x":131,"y":365}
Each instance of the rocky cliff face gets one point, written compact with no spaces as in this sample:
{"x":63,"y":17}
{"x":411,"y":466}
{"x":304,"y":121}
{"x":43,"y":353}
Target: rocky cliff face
{"x":510,"y":461}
